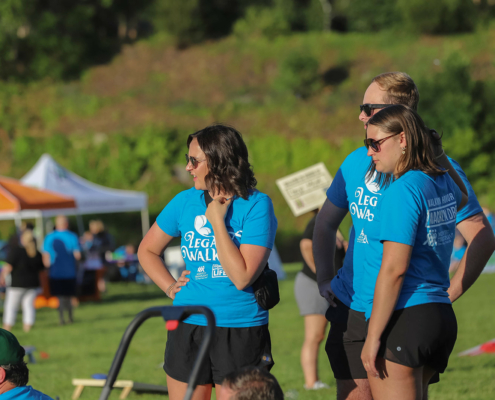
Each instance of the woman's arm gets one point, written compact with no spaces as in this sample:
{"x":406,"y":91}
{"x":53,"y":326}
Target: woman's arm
{"x":242,"y":265}
{"x":149,"y":255}
{"x":6,"y":270}
{"x":395,"y":261}
{"x":306,"y":246}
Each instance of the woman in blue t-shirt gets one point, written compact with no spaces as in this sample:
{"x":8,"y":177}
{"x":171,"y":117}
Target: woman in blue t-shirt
{"x":227,"y":231}
{"x":412,"y":327}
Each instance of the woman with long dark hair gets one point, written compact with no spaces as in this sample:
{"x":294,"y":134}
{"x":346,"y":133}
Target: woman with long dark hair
{"x":227,"y":231}
{"x":412,"y":326}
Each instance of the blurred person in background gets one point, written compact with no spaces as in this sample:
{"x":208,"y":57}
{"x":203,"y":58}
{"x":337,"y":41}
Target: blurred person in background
{"x":312,"y":306}
{"x":352,"y":190}
{"x":24,"y":263}
{"x":227,"y":231}
{"x":101,"y":243}
{"x":14,"y":373}
{"x":61,"y":252}
{"x":250,"y":383}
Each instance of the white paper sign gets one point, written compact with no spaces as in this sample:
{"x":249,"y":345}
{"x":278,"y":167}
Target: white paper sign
{"x":305,"y":190}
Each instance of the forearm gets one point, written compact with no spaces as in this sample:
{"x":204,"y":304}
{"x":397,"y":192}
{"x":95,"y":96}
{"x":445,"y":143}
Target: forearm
{"x":480,"y":246}
{"x":155,"y":269}
{"x":324,"y":251}
{"x":306,"y":246}
{"x":387,"y":290}
{"x":230,"y":258}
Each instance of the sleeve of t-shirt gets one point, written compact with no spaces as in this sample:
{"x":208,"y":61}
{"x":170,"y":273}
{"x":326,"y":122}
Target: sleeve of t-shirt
{"x":473,"y":206}
{"x":75,"y":242}
{"x":336,"y":192}
{"x":168,"y":219}
{"x":400,"y":216}
{"x":260,"y":225}
{"x":12,"y":256}
{"x":308,"y":232}
{"x":47,"y":244}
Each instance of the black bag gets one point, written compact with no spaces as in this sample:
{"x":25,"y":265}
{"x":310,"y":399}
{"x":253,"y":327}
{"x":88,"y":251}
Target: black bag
{"x":266,"y":286}
{"x":266,"y":289}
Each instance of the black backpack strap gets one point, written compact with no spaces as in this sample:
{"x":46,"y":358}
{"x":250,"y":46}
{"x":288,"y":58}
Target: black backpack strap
{"x":208,"y":198}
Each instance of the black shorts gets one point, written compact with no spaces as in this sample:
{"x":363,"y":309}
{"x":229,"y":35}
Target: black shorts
{"x":345,"y":342}
{"x":232,"y":349}
{"x":63,"y":287}
{"x":420,"y":335}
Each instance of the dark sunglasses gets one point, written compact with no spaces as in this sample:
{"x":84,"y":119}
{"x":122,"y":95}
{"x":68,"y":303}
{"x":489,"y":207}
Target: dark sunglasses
{"x":194,"y":162}
{"x":375,"y":144}
{"x":368,"y":108}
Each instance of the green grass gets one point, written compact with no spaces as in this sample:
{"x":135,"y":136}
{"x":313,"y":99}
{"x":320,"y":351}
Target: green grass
{"x":88,"y":346}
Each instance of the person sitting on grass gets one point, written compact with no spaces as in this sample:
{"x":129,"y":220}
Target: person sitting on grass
{"x":250,"y":383}
{"x":14,"y":373}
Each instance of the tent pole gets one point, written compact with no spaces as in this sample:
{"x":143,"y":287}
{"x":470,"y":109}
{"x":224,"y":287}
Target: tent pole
{"x":145,"y":220}
{"x":80,"y":224}
{"x":40,"y":234}
{"x":18,"y":222}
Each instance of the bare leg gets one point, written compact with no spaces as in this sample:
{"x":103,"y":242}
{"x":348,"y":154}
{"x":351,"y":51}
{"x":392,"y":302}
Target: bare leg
{"x":428,"y":373}
{"x":396,"y":382}
{"x":26,"y":327}
{"x":7,"y":327}
{"x":314,"y":333}
{"x":353,"y":389}
{"x":177,"y":390}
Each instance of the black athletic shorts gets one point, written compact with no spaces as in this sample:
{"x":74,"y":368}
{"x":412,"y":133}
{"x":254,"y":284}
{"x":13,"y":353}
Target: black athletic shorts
{"x":420,"y":335}
{"x":345,"y":342}
{"x":232,"y":349}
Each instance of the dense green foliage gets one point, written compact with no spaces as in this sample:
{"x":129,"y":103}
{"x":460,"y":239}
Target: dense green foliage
{"x":88,"y":346}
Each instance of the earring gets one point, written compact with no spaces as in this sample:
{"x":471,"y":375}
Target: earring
{"x":403,"y":150}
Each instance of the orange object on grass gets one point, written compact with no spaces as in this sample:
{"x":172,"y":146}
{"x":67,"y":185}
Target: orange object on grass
{"x":40,"y":302}
{"x":53,"y":302}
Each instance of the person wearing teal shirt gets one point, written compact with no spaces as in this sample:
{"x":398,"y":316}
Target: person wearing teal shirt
{"x":14,"y":373}
{"x":412,"y":328}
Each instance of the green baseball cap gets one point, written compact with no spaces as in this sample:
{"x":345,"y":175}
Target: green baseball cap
{"x":11,"y":352}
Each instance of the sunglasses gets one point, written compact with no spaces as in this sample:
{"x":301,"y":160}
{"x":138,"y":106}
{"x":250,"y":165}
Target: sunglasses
{"x":194,"y":162}
{"x":375,"y":144}
{"x":368,"y":108}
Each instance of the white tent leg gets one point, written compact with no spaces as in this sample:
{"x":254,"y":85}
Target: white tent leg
{"x":18,"y":222}
{"x":40,"y":231}
{"x":145,"y":221}
{"x":80,"y":224}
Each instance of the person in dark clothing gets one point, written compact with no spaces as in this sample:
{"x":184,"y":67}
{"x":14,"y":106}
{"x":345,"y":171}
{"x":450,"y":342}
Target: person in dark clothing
{"x":312,"y":306}
{"x":24,"y":263}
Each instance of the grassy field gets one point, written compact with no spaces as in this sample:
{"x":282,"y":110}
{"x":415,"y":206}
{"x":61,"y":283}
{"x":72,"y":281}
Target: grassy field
{"x":88,"y":346}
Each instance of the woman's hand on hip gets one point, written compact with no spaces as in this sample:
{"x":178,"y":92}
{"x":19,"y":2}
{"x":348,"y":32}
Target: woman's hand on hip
{"x":217,"y":209}
{"x":369,"y":354}
{"x":182,"y":281}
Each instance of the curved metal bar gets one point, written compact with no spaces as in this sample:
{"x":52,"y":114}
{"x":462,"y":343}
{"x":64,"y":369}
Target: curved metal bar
{"x":168,"y":313}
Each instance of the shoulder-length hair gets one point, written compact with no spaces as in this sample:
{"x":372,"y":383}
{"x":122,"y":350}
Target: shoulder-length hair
{"x":419,"y":153}
{"x":226,"y":153}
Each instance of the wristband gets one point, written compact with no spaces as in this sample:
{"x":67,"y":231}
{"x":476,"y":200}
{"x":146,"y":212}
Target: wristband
{"x":167,"y":292}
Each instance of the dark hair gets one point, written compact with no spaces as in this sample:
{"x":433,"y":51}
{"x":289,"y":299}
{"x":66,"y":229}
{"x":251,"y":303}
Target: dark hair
{"x":400,"y":88}
{"x":17,"y":374}
{"x":226,"y":153}
{"x":419,"y":154}
{"x":253,"y":383}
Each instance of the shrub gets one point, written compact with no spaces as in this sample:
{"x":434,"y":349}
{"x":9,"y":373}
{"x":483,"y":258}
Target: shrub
{"x":262,"y":21}
{"x":298,"y":74}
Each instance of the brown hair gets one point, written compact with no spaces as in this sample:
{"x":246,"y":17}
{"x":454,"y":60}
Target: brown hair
{"x":419,"y":154}
{"x":400,"y":88}
{"x":251,"y":383}
{"x":28,"y":242}
{"x":226,"y":153}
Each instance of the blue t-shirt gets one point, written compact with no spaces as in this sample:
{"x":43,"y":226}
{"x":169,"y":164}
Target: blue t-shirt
{"x":61,"y":246}
{"x":250,"y":221}
{"x":351,"y":190}
{"x":24,"y":393}
{"x":420,"y":211}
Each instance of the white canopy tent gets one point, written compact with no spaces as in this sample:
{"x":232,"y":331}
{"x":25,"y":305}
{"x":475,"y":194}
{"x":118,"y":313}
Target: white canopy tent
{"x":90,"y":198}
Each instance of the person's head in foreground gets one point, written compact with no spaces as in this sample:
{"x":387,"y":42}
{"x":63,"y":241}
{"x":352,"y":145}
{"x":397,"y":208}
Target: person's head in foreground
{"x":218,"y":161}
{"x":250,"y":383}
{"x":386,"y":89}
{"x":398,"y":141}
{"x":14,"y":373}
{"x":13,"y":370}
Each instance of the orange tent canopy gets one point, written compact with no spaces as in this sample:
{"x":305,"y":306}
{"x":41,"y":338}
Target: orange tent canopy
{"x":14,"y":197}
